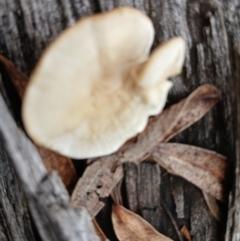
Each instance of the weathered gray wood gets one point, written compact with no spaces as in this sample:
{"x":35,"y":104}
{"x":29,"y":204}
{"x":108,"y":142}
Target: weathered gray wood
{"x":233,"y":224}
{"x":47,"y":197}
{"x":211,"y":29}
{"x":206,"y":26}
{"x":15,"y":223}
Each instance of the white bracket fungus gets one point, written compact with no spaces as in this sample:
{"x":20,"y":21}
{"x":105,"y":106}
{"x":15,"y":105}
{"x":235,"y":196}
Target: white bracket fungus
{"x":96,"y":86}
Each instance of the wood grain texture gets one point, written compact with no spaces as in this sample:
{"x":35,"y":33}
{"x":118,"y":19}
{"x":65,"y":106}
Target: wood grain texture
{"x":15,"y":223}
{"x":211,"y":29}
{"x":233,"y":225}
{"x":46,"y":195}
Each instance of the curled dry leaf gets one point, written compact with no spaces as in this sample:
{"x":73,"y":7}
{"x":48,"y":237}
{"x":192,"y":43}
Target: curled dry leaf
{"x":97,"y":182}
{"x":52,"y":161}
{"x":186,"y":233}
{"x":173,"y":120}
{"x":129,"y":226}
{"x":213,"y":206}
{"x":194,"y":107}
{"x":205,"y":169}
{"x":160,"y":128}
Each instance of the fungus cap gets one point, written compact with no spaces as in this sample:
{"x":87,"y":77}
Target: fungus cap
{"x":95,"y":87}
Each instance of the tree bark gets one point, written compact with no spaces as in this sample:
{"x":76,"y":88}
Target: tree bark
{"x":211,"y":29}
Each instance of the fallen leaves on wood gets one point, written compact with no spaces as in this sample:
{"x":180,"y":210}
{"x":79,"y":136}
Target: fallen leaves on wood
{"x":97,"y":182}
{"x":186,"y":233}
{"x":193,"y":108}
{"x":213,"y":206}
{"x":160,"y":128}
{"x":129,"y":226}
{"x":205,"y":169}
{"x":170,"y":122}
{"x":51,"y":160}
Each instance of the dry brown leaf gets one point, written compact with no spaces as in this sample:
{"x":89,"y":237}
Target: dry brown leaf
{"x":51,"y":160}
{"x":205,"y":169}
{"x":186,"y":233}
{"x":129,"y":226}
{"x":194,"y":107}
{"x":213,"y":206}
{"x":18,"y":78}
{"x":97,"y":182}
{"x":122,"y":231}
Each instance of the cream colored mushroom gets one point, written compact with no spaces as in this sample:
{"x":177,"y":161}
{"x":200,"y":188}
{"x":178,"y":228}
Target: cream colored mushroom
{"x":95,"y":87}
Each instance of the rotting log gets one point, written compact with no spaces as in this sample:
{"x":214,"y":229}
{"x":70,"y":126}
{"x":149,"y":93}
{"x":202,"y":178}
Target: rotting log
{"x":212,"y":30}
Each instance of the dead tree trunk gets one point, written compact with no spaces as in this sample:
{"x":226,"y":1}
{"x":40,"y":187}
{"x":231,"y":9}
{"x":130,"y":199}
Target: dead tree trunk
{"x":211,"y":29}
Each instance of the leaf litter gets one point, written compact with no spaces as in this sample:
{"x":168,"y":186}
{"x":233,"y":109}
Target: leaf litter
{"x":203,"y":168}
{"x":129,"y":226}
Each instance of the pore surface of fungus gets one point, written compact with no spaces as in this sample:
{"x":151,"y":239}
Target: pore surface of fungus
{"x":95,"y":86}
